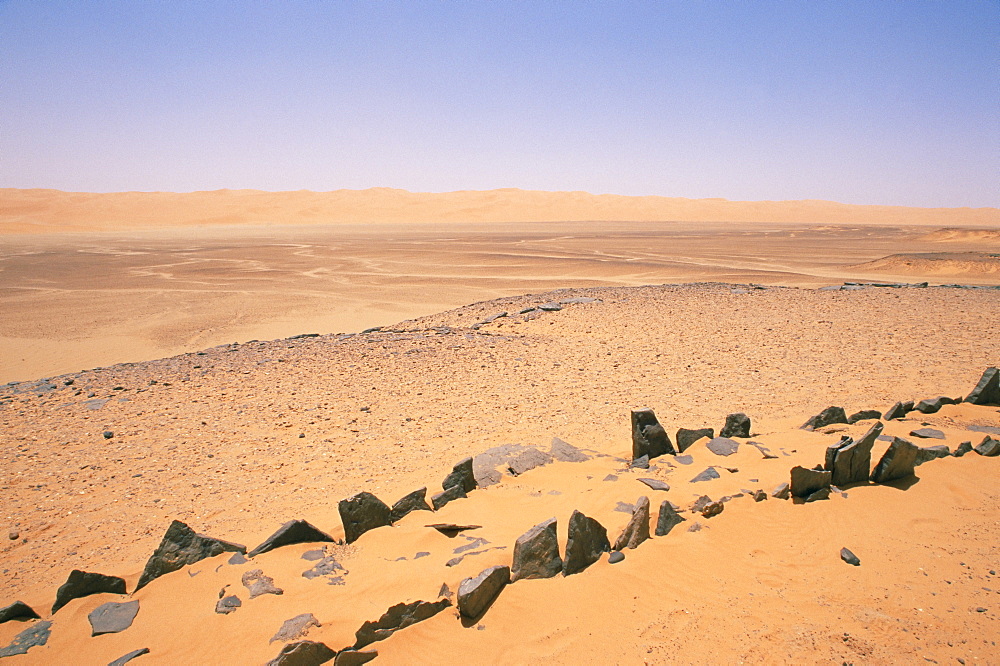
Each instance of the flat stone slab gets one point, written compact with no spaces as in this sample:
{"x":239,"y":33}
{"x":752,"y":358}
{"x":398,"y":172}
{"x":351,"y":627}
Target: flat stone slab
{"x":928,"y":453}
{"x":228,"y":604}
{"x":528,"y":460}
{"x":655,"y":484}
{"x":927,"y":433}
{"x":180,"y":547}
{"x":35,"y":635}
{"x":706,"y":475}
{"x":476,"y":594}
{"x":536,"y":553}
{"x":296,"y":627}
{"x":723,"y":446}
{"x":351,"y":657}
{"x":451,"y":529}
{"x":125,"y":658}
{"x":565,"y":452}
{"x":989,"y":447}
{"x":292,"y":532}
{"x":303,"y":653}
{"x":258,"y":583}
{"x":439,"y":500}
{"x":82,"y":584}
{"x":112,"y":617}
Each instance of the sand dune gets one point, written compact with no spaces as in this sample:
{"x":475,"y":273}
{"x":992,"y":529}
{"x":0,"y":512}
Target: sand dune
{"x":958,"y":235}
{"x":957,"y":264}
{"x":43,"y":211}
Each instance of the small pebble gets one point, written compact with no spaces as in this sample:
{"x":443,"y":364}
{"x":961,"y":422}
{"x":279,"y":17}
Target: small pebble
{"x":108,"y":434}
{"x":13,"y":535}
{"x":618,"y":556}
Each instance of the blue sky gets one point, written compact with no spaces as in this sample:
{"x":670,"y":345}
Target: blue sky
{"x":867,"y":102}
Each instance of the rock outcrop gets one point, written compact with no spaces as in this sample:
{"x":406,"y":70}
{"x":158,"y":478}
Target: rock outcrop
{"x":989,"y":447}
{"x":685,"y":437}
{"x":461,"y":475}
{"x":828,"y":416}
{"x":805,"y":482}
{"x":18,"y":611}
{"x":303,"y":653}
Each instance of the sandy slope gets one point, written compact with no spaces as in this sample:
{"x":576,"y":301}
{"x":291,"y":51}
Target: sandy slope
{"x":240,"y":438}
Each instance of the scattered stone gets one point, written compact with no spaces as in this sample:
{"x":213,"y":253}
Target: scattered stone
{"x":932,"y":405}
{"x":292,"y":532}
{"x":807,"y":481}
{"x":398,"y":617}
{"x":415,"y":501}
{"x":445,"y":592}
{"x":18,"y":611}
{"x":667,"y":519}
{"x":35,"y":635}
{"x":13,"y":534}
{"x":351,"y":657}
{"x":587,"y":540}
{"x":485,"y":464}
{"x":723,"y":446}
{"x":987,"y":391}
{"x":764,"y":451}
{"x":451,"y":529}
{"x":989,"y":447}
{"x":452,"y":493}
{"x":363,"y":512}
{"x":684,"y":460}
{"x":624,"y":507}
{"x":655,"y":484}
{"x":707,"y":475}
{"x":112,"y":617}
{"x":758,"y":495}
{"x":125,"y":658}
{"x":259,"y":583}
{"x":927,"y":433}
{"x":640,"y":463}
{"x":712,"y":509}
{"x":528,"y":460}
{"x":930,"y":453}
{"x":864,"y":415}
{"x":476,"y":594}
{"x":695,"y":527}
{"x":536,"y":553}
{"x":898,"y":410}
{"x":685,"y":437}
{"x":180,"y":547}
{"x":700,"y":503}
{"x":237,"y":558}
{"x":896,"y":463}
{"x":821,"y":494}
{"x":303,"y":653}
{"x":108,"y":434}
{"x":782,"y":491}
{"x":828,"y":416}
{"x":849,"y":557}
{"x":551,"y":306}
{"x":461,"y":475}
{"x":610,"y":477}
{"x":962,"y":449}
{"x":579,"y":299}
{"x":82,"y":584}
{"x":992,"y":430}
{"x":648,"y":436}
{"x":227,"y":605}
{"x":565,"y":452}
{"x":737,"y":425}
{"x":493,"y":317}
{"x":616,"y":557}
{"x":850,"y":461}
{"x":637,"y":529}
{"x":297,"y":627}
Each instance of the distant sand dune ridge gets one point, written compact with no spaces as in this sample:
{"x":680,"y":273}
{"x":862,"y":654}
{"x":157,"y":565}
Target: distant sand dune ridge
{"x":936,"y":263}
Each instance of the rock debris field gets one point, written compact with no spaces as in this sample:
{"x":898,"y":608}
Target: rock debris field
{"x":668,"y":474}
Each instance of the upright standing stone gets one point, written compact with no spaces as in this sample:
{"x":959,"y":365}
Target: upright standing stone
{"x":805,"y":482}
{"x":587,"y":540}
{"x":362,"y":512}
{"x":852,"y":460}
{"x":292,"y":532}
{"x":461,"y":475}
{"x":989,"y":447}
{"x":987,"y":391}
{"x":828,"y":416}
{"x":82,"y":584}
{"x":685,"y":437}
{"x":18,"y":611}
{"x":444,"y":497}
{"x":897,"y":462}
{"x":668,"y":518}
{"x":536,"y":553}
{"x":476,"y":594}
{"x":864,"y":415}
{"x":398,"y":617}
{"x":637,"y":529}
{"x":737,"y":425}
{"x":648,"y":436}
{"x":180,"y":547}
{"x":415,"y":501}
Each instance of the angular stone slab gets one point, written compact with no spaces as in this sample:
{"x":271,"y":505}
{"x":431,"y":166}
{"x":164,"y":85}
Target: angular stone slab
{"x":927,"y":433}
{"x":303,"y":653}
{"x":528,"y":460}
{"x":453,"y":493}
{"x":897,"y":462}
{"x":398,"y":617}
{"x":637,"y":529}
{"x":35,"y":635}
{"x":898,"y":411}
{"x":125,"y":658}
{"x":18,"y":611}
{"x":259,"y":583}
{"x":706,"y":475}
{"x":805,"y":482}
{"x":723,"y":446}
{"x":296,"y":627}
{"x":461,"y":475}
{"x":987,"y":390}
{"x":415,"y":501}
{"x":536,"y":553}
{"x":180,"y":547}
{"x":655,"y":484}
{"x":648,"y":436}
{"x":932,"y":405}
{"x":864,"y":415}
{"x":989,"y":447}
{"x":781,"y":491}
{"x":927,"y":453}
{"x":227,"y":605}
{"x":828,"y":416}
{"x":852,"y":460}
{"x":849,"y":557}
{"x":737,"y":425}
{"x":476,"y":594}
{"x":587,"y":540}
{"x":363,"y":512}
{"x":112,"y":617}
{"x":686,"y":437}
{"x":962,"y":449}
{"x":667,"y":519}
{"x":83,"y":584}
{"x":292,"y":532}
{"x":351,"y":657}
{"x":565,"y":452}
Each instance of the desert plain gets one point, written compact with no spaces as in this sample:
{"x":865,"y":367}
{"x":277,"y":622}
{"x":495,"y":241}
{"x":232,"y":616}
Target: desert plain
{"x":261,"y":362}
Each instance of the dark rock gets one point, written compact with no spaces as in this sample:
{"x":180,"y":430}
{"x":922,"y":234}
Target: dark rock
{"x":927,"y":433}
{"x":587,"y":540}
{"x":712,"y":509}
{"x":292,"y":532}
{"x":363,"y":512}
{"x":648,"y":436}
{"x":992,"y":430}
{"x":227,"y":605}
{"x":737,"y":425}
{"x":685,"y":437}
{"x":398,"y":617}
{"x":640,"y":463}
{"x":930,"y":453}
{"x":989,"y":447}
{"x":987,"y":391}
{"x":896,"y":463}
{"x":782,"y":491}
{"x":962,"y":449}
{"x":259,"y":583}
{"x":684,"y":460}
{"x":297,"y":627}
{"x":764,"y":451}
{"x":551,"y":306}
{"x":706,"y":475}
{"x":324,"y":567}
{"x":624,"y":507}
{"x":112,"y":617}
{"x":807,"y":481}
{"x":180,"y":547}
{"x":667,"y":519}
{"x":452,"y":493}
{"x":655,"y":484}
{"x":701,"y":503}
{"x":108,"y":434}
{"x":828,"y":416}
{"x":821,"y":494}
{"x":637,"y":529}
{"x":616,"y":557}
{"x":445,"y":591}
{"x":35,"y":635}
{"x":931,"y":405}
{"x":723,"y":446}
{"x":476,"y":594}
{"x":415,"y":501}
{"x":351,"y":657}
{"x":452,"y":529}
{"x":564,"y":452}
{"x":849,"y":557}
{"x":125,"y":658}
{"x":303,"y":653}
{"x":82,"y":584}
{"x":461,"y":475}
{"x":758,"y":495}
{"x":536,"y":553}
{"x":864,"y":415}
{"x":528,"y":460}
{"x":18,"y":611}
{"x":237,"y":558}
{"x":852,"y":460}
{"x":897,"y":411}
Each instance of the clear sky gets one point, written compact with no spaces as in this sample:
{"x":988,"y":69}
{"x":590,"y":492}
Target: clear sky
{"x":861,"y":102}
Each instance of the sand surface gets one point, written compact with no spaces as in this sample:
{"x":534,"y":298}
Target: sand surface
{"x":237,"y":439}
